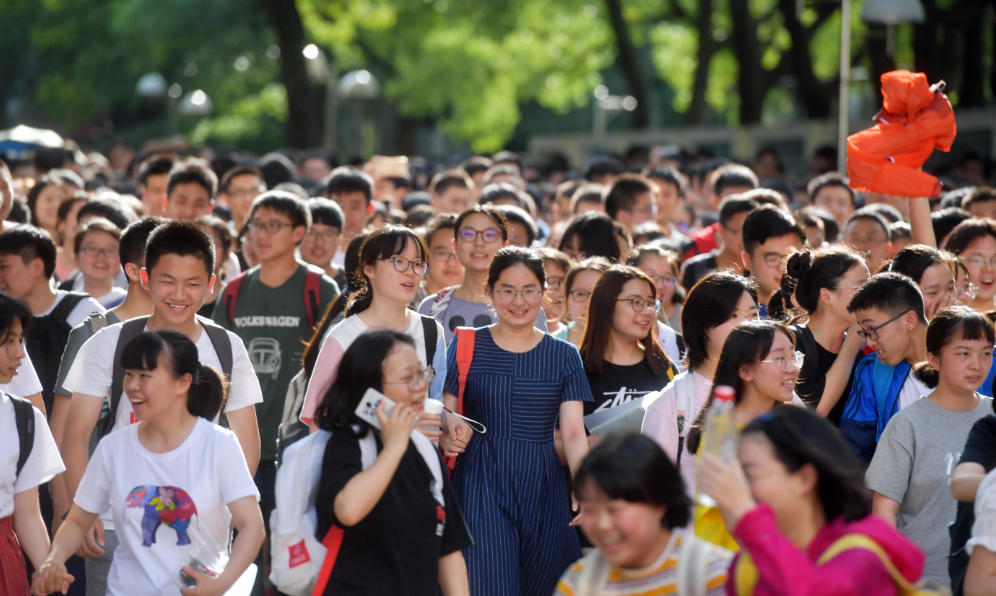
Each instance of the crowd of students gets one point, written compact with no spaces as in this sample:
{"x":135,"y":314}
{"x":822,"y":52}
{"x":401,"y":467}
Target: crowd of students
{"x":164,"y":348}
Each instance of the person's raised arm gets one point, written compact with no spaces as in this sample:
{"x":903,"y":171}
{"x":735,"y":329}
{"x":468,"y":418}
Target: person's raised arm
{"x":885,"y":508}
{"x":243,"y":423}
{"x":920,"y":223}
{"x":966,"y":480}
{"x":453,"y":575}
{"x":839,"y":373}
{"x":29,"y":527}
{"x":248,"y":521}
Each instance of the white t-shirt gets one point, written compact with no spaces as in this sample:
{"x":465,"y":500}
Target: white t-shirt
{"x":113,"y":298}
{"x":25,"y":383}
{"x":83,"y":309}
{"x":120,"y":281}
{"x":911,"y":391}
{"x":164,"y":504}
{"x":41,"y":466}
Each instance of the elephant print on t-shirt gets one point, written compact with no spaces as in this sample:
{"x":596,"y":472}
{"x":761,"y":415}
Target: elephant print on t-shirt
{"x":163,"y":505}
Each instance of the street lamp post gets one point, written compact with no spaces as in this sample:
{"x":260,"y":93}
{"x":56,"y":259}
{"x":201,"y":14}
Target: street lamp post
{"x":321,"y":70}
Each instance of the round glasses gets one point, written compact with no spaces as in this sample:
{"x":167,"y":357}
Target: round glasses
{"x":639,"y":304}
{"x":529,"y":294}
{"x":579,"y":295}
{"x":786,"y":362}
{"x":470,"y":234}
{"x":416,"y":380}
{"x":401,"y":264}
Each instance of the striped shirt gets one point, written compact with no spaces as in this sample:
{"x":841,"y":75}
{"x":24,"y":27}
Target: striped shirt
{"x":658,"y":579}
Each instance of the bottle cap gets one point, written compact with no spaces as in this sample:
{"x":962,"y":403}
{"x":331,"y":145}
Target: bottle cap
{"x":723,"y":393}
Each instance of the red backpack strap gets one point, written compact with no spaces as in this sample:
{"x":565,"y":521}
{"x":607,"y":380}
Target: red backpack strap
{"x":231,"y":295}
{"x":312,"y":295}
{"x":464,"y":357}
{"x":332,"y":542}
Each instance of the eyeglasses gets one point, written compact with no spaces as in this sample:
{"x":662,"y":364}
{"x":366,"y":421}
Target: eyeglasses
{"x":785,"y":362}
{"x":443,"y":255}
{"x":327,"y":235}
{"x":273,"y":226}
{"x":848,"y":287}
{"x":872,"y":334}
{"x":865,"y":241}
{"x":528,"y":294}
{"x":978,"y":261}
{"x":91,"y":251}
{"x":579,"y":295}
{"x":773,"y":260}
{"x":470,"y":234}
{"x":247,"y":192}
{"x":639,"y":304}
{"x":416,"y":380}
{"x":970,"y":289}
{"x":401,"y":264}
{"x":554,"y":282}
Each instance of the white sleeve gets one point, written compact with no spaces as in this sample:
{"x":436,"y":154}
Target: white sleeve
{"x":244,"y":390}
{"x":233,"y":473}
{"x":84,"y":309}
{"x":669,"y":341}
{"x":94,"y":492}
{"x":44,"y":462}
{"x":25,"y":382}
{"x":94,"y":365}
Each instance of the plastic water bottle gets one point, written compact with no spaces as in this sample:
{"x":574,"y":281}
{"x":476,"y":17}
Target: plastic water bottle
{"x":720,"y":434}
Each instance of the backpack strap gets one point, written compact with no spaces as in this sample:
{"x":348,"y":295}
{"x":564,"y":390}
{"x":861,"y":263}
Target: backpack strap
{"x":464,"y":358}
{"x":129,"y":330}
{"x":693,"y":563}
{"x":231,"y":294}
{"x":221,"y":343}
{"x":855,"y":541}
{"x":66,"y":305}
{"x":332,"y":542}
{"x":312,"y":295}
{"x":431,"y":335}
{"x":24,"y":418}
{"x":96,"y":322}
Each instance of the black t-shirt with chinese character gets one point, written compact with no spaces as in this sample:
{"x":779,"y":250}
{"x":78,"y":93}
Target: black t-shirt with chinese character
{"x":395,"y":549}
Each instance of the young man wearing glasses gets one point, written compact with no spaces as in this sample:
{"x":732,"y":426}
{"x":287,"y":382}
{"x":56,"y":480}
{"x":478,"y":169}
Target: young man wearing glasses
{"x":322,"y":240}
{"x":630,"y":200}
{"x":889,"y":314}
{"x":273,"y":308}
{"x":770,"y":234}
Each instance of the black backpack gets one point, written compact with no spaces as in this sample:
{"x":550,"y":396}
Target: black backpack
{"x":24,"y":419}
{"x":131,"y":329}
{"x":47,"y":341}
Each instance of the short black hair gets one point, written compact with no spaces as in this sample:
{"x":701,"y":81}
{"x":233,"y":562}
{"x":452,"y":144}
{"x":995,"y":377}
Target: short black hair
{"x":668,"y":175}
{"x":868,"y":215}
{"x":113,"y":211}
{"x":633,"y":468}
{"x":596,"y":234}
{"x":156,"y":165}
{"x":12,"y":309}
{"x":600,"y":167}
{"x":621,"y":194}
{"x":134,"y":238}
{"x":239,"y":171}
{"x":347,"y":179}
{"x":326,"y":212}
{"x":769,"y":222}
{"x":507,"y":157}
{"x":29,"y":243}
{"x":968,"y":232}
{"x":220,"y":227}
{"x":830,"y":227}
{"x":915,"y":259}
{"x":956,"y":196}
{"x":67,"y":177}
{"x":587,"y":193}
{"x":442,"y":221}
{"x":518,"y":215}
{"x":946,"y":220}
{"x":476,"y":165}
{"x":181,"y":238}
{"x":734,"y":205}
{"x":890,"y":213}
{"x":497,"y":191}
{"x":276,"y":168}
{"x":900,"y":229}
{"x":444,"y":180}
{"x":193,"y":170}
{"x":891,"y":293}
{"x":828,"y":180}
{"x":733,"y":175}
{"x":982,"y":194}
{"x":285,"y":203}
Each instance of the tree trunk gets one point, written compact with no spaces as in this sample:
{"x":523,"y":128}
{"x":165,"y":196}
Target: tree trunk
{"x":305,"y":118}
{"x":707,"y":47}
{"x":748,"y":54}
{"x":972,"y":88}
{"x":629,"y":63}
{"x":814,"y":93}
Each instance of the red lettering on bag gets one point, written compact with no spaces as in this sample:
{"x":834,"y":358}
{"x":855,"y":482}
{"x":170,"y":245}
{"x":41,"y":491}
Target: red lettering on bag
{"x":298,"y":554}
{"x":440,"y":513}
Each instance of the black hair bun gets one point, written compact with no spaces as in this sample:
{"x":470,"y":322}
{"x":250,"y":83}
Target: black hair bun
{"x":798,"y":264}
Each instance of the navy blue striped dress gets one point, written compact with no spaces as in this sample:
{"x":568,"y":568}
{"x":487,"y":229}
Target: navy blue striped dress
{"x":509,"y":483}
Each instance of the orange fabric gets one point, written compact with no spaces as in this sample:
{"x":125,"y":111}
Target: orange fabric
{"x":464,"y":357}
{"x":914,"y":121}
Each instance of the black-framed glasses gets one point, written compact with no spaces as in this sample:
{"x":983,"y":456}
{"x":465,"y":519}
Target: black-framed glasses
{"x":639,"y":304}
{"x":579,"y":295}
{"x":327,"y":235}
{"x":470,"y":234}
{"x":872,"y":334}
{"x":785,"y":362}
{"x":92,"y":251}
{"x":443,"y":255}
{"x":401,"y":264}
{"x":528,"y":294}
{"x":417,"y":379}
{"x":273,"y":226}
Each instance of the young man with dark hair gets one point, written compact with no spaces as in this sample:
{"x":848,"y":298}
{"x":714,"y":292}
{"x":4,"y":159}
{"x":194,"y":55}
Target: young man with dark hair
{"x":602,"y":170}
{"x":890,"y":317}
{"x":522,"y":230}
{"x":727,"y":180}
{"x":499,"y":174}
{"x":112,"y":210}
{"x":729,"y":254}
{"x":322,"y":240}
{"x":769,"y":235}
{"x":508,"y":158}
{"x":670,"y":187}
{"x":190,"y":190}
{"x":497,"y":194}
{"x":392,"y":187}
{"x":589,"y":197}
{"x":178,"y":273}
{"x":315,"y":166}
{"x":630,"y":200}
{"x":451,"y":191}
{"x":239,"y":188}
{"x":353,"y":191}
{"x":946,"y":220}
{"x":981,"y":202}
{"x":868,"y":233}
{"x":831,"y":192}
{"x":273,"y":308}
{"x":153,"y":177}
{"x":476,"y":167}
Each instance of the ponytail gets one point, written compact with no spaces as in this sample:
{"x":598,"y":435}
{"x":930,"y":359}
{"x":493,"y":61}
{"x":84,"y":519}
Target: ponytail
{"x":780,"y":306}
{"x":926,"y":374}
{"x":207,"y":394}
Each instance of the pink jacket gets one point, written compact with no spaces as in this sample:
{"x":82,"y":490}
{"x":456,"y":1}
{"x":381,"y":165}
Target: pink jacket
{"x":785,"y":570}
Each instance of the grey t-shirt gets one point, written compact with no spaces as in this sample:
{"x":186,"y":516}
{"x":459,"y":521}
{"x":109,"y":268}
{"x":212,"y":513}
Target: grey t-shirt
{"x":913,"y":462}
{"x":460,"y":313}
{"x":77,"y":337}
